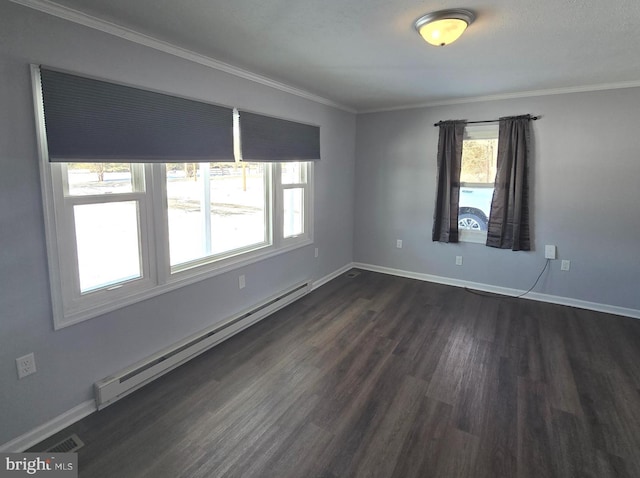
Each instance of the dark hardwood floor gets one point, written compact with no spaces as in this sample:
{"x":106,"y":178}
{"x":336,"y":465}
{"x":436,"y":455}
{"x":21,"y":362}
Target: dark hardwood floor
{"x":389,"y":377}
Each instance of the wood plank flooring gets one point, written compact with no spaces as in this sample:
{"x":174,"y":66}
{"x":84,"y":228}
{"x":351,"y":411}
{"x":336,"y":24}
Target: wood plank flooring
{"x":381,"y":376}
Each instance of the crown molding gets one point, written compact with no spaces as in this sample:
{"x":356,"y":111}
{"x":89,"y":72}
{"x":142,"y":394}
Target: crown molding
{"x":114,"y":29}
{"x":119,"y":31}
{"x":510,"y":96}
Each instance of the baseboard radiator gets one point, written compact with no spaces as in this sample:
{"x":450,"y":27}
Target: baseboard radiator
{"x":116,"y":386}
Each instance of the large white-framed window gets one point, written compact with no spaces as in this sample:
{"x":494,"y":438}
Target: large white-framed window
{"x":119,"y":233}
{"x":477,"y":178}
{"x":159,"y":215}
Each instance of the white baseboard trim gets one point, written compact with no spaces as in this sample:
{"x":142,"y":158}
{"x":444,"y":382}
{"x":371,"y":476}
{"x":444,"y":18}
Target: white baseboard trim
{"x":584,"y":304}
{"x":553,"y":299}
{"x":329,"y":277}
{"x":26,"y":441}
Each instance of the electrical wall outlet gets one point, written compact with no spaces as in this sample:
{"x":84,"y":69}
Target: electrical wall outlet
{"x":315,"y":252}
{"x":565,"y":265}
{"x":458,"y":260}
{"x":26,"y":365}
{"x":549,"y":252}
{"x":399,"y":243}
{"x":241,"y":282}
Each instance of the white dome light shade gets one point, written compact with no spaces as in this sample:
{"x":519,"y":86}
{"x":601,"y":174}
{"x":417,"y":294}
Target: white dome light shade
{"x":443,"y":27}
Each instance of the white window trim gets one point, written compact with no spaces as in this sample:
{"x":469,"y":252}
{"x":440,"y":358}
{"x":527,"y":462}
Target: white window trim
{"x":154,"y":236}
{"x":160,"y":279}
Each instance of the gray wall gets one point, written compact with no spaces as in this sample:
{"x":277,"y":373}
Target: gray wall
{"x":69,"y":361}
{"x":584,"y":175}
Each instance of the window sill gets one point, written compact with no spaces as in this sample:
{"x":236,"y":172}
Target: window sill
{"x":477,"y":237}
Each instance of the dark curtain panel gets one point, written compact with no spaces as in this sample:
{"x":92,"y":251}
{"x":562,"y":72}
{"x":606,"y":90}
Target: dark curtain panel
{"x":445,"y":216}
{"x":509,"y":220}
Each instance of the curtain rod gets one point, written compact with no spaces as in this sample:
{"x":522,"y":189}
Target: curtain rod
{"x":483,"y":121}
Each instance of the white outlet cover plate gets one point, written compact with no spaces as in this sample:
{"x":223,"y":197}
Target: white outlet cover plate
{"x":549,"y":252}
{"x":26,"y":365}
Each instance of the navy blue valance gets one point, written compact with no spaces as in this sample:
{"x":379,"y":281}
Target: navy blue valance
{"x":264,"y":138}
{"x":91,"y":120}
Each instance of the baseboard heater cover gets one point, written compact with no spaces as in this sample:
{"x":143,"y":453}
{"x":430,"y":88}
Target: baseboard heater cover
{"x":114,"y":387}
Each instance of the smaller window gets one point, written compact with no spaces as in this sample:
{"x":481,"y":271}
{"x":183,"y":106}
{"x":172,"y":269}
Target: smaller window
{"x":477,"y":177}
{"x":293,"y":177}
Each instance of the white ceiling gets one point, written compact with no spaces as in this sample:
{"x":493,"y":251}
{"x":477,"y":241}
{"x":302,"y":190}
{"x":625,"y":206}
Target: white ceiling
{"x":365,"y":54}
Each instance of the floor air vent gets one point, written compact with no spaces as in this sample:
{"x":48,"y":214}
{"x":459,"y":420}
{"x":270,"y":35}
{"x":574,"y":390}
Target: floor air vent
{"x":352,"y":274}
{"x":68,"y":445}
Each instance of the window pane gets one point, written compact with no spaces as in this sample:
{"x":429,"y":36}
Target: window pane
{"x":294,"y":173}
{"x":238,"y":210}
{"x":108,"y":243}
{"x":98,"y":178}
{"x":477,"y":176}
{"x":214,"y":208}
{"x":293,"y":200}
{"x":479,"y":161}
{"x":184,"y":201}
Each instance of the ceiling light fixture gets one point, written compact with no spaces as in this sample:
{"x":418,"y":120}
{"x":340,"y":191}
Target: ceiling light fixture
{"x":444,"y":27}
